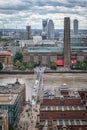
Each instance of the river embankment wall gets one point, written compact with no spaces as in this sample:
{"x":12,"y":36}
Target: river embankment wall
{"x":50,"y":71}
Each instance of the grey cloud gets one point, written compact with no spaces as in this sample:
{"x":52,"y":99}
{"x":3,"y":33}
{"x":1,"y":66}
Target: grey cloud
{"x":29,"y":5}
{"x":26,"y":8}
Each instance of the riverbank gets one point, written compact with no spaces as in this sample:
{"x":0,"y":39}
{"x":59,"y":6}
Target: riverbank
{"x":47,"y":71}
{"x":50,"y":80}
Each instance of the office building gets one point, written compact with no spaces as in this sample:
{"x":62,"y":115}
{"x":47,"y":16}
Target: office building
{"x":28,"y":33}
{"x":79,"y":40}
{"x":44,"y":28}
{"x":67,"y":42}
{"x":48,"y":29}
{"x":75,"y":26}
{"x":44,"y":25}
{"x":15,"y":88}
{"x":10,"y":102}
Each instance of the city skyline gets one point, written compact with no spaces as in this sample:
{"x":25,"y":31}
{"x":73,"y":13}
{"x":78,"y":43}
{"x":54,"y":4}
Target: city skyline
{"x":19,"y":13}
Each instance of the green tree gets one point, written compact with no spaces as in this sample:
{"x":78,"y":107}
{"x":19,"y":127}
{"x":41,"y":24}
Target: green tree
{"x":18,"y":56}
{"x":81,"y":65}
{"x":17,"y":63}
{"x":1,"y":65}
{"x":31,"y":65}
{"x":53,"y":65}
{"x":22,"y":67}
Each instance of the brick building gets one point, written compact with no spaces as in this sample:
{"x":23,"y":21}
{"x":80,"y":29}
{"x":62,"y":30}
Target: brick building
{"x":6,"y":57}
{"x":65,"y":111}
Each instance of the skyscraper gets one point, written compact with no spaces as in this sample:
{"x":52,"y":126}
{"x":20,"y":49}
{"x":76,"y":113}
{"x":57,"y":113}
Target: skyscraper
{"x":75,"y":26}
{"x":50,"y":30}
{"x":66,"y":42}
{"x":44,"y":26}
{"x":28,"y":32}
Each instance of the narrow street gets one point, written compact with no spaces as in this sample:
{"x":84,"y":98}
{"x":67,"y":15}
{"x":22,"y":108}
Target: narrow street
{"x":28,"y":117}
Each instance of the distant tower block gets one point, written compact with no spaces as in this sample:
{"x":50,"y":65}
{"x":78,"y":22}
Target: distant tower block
{"x":66,"y":42}
{"x":75,"y":26}
{"x":28,"y":32}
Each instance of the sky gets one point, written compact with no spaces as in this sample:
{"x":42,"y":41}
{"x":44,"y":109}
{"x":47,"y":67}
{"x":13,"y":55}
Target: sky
{"x":19,"y":13}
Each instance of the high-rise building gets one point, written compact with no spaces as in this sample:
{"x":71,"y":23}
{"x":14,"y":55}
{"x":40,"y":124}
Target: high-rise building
{"x":50,"y":30}
{"x":28,"y":32}
{"x":66,"y":42}
{"x":44,"y":26}
{"x":75,"y":26}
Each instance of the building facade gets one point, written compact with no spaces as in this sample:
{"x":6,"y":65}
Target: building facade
{"x":3,"y":119}
{"x":79,"y":40}
{"x":28,"y":33}
{"x":48,"y":29}
{"x":6,"y":57}
{"x":67,"y":49}
{"x":10,"y":102}
{"x":15,"y":88}
{"x":46,"y":54}
{"x":75,"y":26}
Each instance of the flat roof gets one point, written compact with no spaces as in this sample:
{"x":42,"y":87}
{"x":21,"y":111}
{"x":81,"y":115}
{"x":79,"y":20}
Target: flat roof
{"x":5,"y":53}
{"x":62,"y":108}
{"x":8,"y":99}
{"x":43,"y":49}
{"x":66,"y":122}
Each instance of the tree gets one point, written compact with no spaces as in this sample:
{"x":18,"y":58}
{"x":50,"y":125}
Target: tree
{"x":31,"y":65}
{"x":53,"y":65}
{"x":1,"y":66}
{"x":18,"y":56}
{"x":22,"y":67}
{"x":81,"y":65}
{"x":17,"y":63}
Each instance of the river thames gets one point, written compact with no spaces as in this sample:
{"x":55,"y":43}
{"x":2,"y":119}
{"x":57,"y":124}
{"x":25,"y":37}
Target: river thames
{"x":50,"y":80}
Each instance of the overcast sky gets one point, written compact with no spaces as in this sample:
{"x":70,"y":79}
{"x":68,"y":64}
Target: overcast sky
{"x":19,"y":13}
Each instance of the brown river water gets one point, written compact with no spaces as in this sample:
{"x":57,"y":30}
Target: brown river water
{"x":50,"y":80}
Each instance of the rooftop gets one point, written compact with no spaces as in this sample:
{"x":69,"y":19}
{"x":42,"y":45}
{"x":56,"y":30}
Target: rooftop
{"x":11,"y":87}
{"x":44,"y":49}
{"x":5,"y":53}
{"x":81,"y":122}
{"x":8,"y":99}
